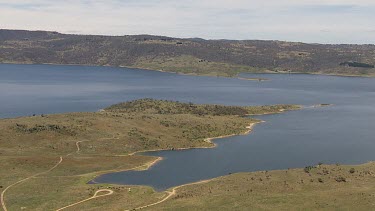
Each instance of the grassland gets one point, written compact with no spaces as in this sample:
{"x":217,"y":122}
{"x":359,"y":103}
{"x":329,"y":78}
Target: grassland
{"x":46,"y":161}
{"x":322,"y":187}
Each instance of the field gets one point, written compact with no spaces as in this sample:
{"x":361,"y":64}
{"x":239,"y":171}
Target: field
{"x":322,"y":187}
{"x":46,"y":161}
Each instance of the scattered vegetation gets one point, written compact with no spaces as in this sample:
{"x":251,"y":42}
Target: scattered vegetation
{"x":281,"y":190}
{"x":152,"y":124}
{"x":307,"y":169}
{"x":100,"y":142}
{"x":170,"y":107}
{"x":188,"y":56}
{"x":340,"y":179}
{"x":40,"y":128}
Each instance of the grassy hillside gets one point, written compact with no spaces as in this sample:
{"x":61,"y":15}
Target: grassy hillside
{"x":151,"y":106}
{"x":59,"y":154}
{"x":324,"y":187}
{"x":46,"y":162}
{"x":188,"y":56}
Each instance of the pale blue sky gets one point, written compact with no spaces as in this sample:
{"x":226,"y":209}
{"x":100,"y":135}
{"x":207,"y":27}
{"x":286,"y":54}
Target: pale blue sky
{"x":318,"y":21}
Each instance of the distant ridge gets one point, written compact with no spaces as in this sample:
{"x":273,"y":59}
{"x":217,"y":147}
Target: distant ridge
{"x":190,"y":56}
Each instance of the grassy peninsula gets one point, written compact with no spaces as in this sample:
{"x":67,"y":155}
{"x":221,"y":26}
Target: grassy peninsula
{"x":46,"y":161}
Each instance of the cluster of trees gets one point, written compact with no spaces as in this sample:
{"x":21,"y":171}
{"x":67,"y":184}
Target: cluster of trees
{"x":40,"y":128}
{"x":357,"y":64}
{"x":170,"y":107}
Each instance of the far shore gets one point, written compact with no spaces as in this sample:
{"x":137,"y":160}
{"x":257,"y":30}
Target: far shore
{"x":194,"y":74}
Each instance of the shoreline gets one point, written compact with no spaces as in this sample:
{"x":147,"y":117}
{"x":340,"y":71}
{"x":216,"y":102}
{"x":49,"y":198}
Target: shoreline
{"x":254,"y":79}
{"x":194,"y":74}
{"x":173,"y":190}
{"x":208,"y":140}
{"x":142,"y":167}
{"x":148,"y":165}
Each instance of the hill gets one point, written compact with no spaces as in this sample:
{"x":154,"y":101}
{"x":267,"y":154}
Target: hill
{"x":188,"y":56}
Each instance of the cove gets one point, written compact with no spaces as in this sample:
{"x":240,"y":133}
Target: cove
{"x":342,"y":133}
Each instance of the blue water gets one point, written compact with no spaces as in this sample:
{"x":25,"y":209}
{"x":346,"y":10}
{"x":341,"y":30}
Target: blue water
{"x":343,"y":133}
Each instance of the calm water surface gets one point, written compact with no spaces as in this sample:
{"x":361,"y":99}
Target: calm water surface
{"x":343,"y":133}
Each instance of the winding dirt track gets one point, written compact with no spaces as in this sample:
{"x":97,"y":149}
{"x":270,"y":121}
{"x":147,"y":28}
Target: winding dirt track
{"x":2,"y":197}
{"x":95,"y":196}
{"x":23,"y":180}
{"x":170,"y":194}
{"x":109,"y":192}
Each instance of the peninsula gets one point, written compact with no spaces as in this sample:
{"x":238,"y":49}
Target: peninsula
{"x":46,"y":161}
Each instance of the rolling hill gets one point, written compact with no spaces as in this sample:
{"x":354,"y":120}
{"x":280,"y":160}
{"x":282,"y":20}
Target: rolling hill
{"x":189,"y":56}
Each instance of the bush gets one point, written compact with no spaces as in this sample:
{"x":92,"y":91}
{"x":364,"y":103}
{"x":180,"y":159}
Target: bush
{"x":352,"y":171}
{"x":307,"y":169}
{"x":340,"y":179}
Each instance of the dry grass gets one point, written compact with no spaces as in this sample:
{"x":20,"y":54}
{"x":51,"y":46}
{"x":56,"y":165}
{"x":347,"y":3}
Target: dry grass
{"x":194,"y":66}
{"x":320,"y":189}
{"x":30,"y":145}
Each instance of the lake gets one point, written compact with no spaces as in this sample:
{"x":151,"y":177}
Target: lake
{"x":343,"y":133}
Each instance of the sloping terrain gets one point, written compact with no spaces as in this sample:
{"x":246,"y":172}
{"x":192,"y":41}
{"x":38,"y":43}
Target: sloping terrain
{"x":189,"y":56}
{"x":46,"y":161}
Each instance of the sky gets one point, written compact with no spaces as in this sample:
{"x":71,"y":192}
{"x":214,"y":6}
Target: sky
{"x":312,"y":21}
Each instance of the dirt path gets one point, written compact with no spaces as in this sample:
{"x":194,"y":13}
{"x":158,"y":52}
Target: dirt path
{"x":2,"y":198}
{"x":78,"y":148}
{"x":173,"y":192}
{"x":95,"y":196}
{"x":169,"y":195}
